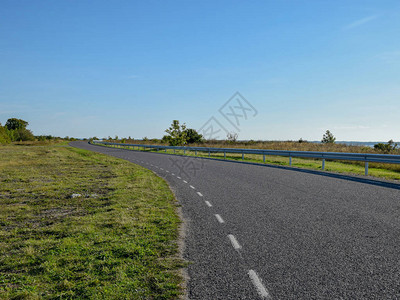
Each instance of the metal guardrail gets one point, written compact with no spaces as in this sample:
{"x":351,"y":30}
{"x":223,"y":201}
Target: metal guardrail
{"x":364,"y":157}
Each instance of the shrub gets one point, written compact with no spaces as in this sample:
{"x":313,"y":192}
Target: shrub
{"x":386,"y":148}
{"x":231,"y":137}
{"x":302,"y":141}
{"x":4,"y":138}
{"x":192,"y":136}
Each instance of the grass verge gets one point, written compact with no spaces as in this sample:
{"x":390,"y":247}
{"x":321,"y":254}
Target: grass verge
{"x":118,"y":240}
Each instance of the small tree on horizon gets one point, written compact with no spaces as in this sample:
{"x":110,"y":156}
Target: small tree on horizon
{"x":328,"y":138}
{"x":176,"y":134}
{"x":232,"y":137}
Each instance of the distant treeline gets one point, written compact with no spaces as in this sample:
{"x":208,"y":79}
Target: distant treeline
{"x":15,"y":130}
{"x":180,"y":135}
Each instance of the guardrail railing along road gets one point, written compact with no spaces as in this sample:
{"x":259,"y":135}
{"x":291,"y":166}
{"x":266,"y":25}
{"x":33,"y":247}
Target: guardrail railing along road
{"x":364,"y":157}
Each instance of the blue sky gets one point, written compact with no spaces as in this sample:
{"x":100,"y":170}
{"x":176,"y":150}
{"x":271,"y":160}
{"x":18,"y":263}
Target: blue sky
{"x":128,"y":68}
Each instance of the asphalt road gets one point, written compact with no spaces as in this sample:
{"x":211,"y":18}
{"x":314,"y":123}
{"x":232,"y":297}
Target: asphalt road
{"x":265,"y":232}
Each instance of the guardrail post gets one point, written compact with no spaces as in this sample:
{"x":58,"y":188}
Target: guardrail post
{"x":264,"y":158}
{"x":209,"y":153}
{"x":290,"y":161}
{"x":323,"y":164}
{"x":195,"y":152}
{"x":174,"y":150}
{"x":165,"y":150}
{"x":184,"y":151}
{"x":366,"y":168}
{"x":224,"y":155}
{"x":242,"y":156}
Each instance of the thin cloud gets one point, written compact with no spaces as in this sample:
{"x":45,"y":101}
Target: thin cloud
{"x":360,"y":22}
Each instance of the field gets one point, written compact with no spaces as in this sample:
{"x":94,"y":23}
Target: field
{"x":271,"y":145}
{"x":75,"y":224}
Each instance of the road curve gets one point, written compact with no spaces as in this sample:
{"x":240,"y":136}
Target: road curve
{"x":264,"y":232}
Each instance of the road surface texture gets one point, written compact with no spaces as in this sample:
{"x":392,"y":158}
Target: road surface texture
{"x":265,"y":232}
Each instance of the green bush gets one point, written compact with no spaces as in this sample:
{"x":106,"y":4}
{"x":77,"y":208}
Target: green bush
{"x":386,"y":148}
{"x":4,"y":138}
{"x":192,"y":136}
{"x":21,"y":134}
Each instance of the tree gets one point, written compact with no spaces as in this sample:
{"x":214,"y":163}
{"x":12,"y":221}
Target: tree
{"x":192,"y":136}
{"x":176,"y":134}
{"x":328,"y":138}
{"x":16,"y":130}
{"x":232,"y":137}
{"x":14,"y":123}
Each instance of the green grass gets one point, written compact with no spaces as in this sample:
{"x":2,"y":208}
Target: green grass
{"x":387,"y":171}
{"x":117,"y":241}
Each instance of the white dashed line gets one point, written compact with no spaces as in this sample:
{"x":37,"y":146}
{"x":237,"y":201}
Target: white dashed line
{"x":234,"y":242}
{"x":173,"y":174}
{"x":200,"y":194}
{"x":208,"y":203}
{"x":178,"y":177}
{"x":192,"y":187}
{"x":167,"y":171}
{"x":219,"y":218}
{"x":184,"y":181}
{"x":262,"y":291}
{"x":161,"y":169}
